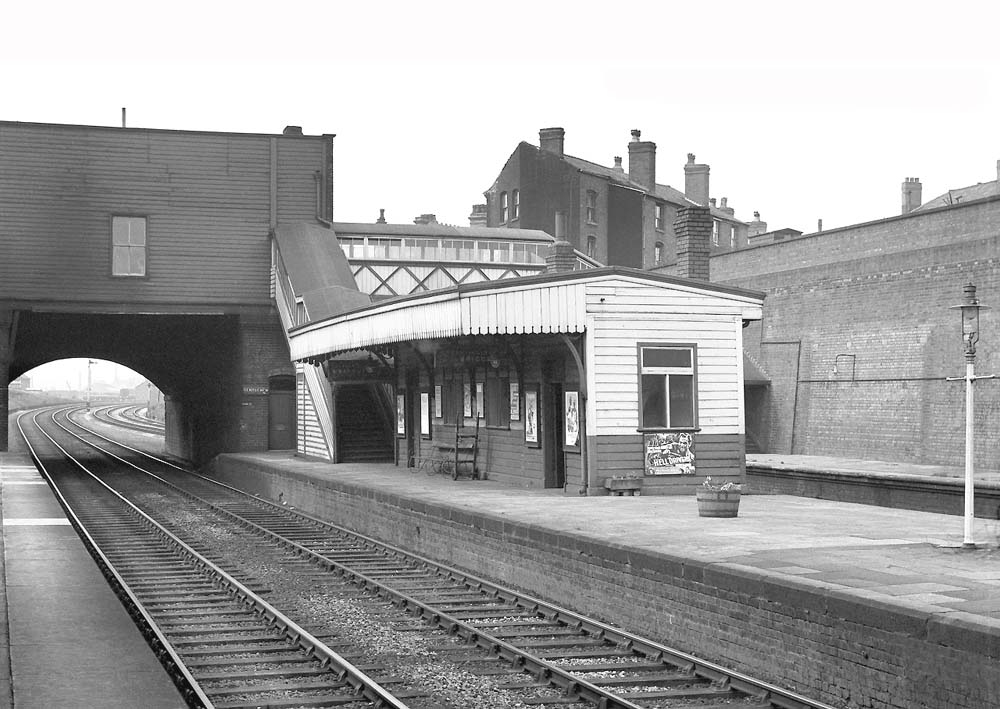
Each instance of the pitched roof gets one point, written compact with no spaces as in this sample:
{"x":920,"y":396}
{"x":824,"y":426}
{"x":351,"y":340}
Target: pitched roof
{"x":961,"y":195}
{"x":664,"y":192}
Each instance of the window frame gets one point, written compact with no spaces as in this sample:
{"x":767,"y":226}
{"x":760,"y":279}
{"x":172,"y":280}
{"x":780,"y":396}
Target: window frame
{"x":716,"y":228}
{"x":658,"y":216}
{"x":591,"y":206}
{"x":503,"y":208}
{"x":592,"y":246}
{"x":145,"y":246}
{"x":666,"y":372}
{"x":515,"y":204}
{"x":658,"y":252}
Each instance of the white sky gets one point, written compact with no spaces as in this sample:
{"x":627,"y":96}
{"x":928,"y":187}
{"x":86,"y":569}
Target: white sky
{"x":803,"y":111}
{"x":72,"y":374}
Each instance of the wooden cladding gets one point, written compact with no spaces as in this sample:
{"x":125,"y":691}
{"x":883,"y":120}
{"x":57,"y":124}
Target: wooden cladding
{"x":206,"y":197}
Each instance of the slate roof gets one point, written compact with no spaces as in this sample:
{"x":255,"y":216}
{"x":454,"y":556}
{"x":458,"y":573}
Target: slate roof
{"x":961,"y":195}
{"x":664,"y":192}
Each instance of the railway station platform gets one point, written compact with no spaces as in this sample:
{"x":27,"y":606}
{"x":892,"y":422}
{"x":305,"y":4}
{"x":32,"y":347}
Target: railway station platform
{"x":870,"y":604}
{"x":65,"y":638}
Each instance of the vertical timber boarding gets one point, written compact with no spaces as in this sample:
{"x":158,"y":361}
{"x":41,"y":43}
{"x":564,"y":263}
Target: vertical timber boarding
{"x":309,"y":435}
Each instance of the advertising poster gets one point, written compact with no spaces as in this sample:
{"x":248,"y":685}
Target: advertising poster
{"x":531,"y":416}
{"x":480,"y":401}
{"x":467,"y":400}
{"x":437,"y":401}
{"x":400,"y":414}
{"x":425,"y":413}
{"x":515,"y":402}
{"x":572,"y":437}
{"x":669,"y":453}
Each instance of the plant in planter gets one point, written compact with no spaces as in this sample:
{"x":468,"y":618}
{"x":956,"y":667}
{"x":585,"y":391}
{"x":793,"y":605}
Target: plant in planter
{"x":620,"y":484}
{"x":718,"y":500}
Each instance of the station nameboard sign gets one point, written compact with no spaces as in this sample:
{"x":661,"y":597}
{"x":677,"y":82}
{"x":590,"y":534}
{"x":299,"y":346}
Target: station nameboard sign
{"x":255,"y":390}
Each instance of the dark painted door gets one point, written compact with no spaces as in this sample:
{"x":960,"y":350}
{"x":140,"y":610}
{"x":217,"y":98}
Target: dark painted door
{"x":552,"y":436}
{"x":281,"y":413}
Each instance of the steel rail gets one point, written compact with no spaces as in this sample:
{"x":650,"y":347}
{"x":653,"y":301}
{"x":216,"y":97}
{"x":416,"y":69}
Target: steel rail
{"x":720,"y":676}
{"x":183,"y":679}
{"x":363,"y":685}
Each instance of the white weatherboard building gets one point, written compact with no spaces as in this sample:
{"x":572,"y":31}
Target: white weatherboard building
{"x":566,"y":379}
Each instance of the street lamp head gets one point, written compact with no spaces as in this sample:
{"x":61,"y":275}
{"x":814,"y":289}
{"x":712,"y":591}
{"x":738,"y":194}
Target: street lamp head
{"x":970,"y":308}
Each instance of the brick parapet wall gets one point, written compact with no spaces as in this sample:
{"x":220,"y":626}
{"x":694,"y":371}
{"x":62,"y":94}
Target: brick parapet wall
{"x":858,"y":349}
{"x":825,"y":643}
{"x":908,"y":232}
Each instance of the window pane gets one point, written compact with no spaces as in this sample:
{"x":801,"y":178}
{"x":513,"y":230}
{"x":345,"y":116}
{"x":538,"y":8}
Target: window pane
{"x":120,"y":261}
{"x":666,"y":357}
{"x":138,"y":261}
{"x":681,"y":401}
{"x":137,"y":231}
{"x":654,"y":410}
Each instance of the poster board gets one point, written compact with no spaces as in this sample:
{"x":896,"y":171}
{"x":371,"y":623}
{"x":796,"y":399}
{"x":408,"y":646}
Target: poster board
{"x":668,"y":453}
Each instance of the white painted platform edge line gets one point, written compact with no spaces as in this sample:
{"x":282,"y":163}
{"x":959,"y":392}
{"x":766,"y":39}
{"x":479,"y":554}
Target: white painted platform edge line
{"x":35,"y":521}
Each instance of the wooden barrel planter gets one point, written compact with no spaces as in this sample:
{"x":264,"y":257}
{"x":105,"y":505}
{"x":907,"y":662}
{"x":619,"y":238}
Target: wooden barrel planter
{"x":718,"y":503}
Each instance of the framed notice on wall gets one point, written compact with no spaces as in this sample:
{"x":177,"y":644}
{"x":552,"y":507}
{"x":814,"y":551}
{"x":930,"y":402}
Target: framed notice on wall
{"x":571,"y":434}
{"x":480,"y":400}
{"x":531,"y":416}
{"x":437,"y":401}
{"x":467,"y":400}
{"x":425,"y":414}
{"x":400,"y":414}
{"x":515,"y":401}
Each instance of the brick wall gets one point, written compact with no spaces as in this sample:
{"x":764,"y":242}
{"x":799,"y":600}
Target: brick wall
{"x":832,"y":646}
{"x":858,"y":338}
{"x":264,"y":353}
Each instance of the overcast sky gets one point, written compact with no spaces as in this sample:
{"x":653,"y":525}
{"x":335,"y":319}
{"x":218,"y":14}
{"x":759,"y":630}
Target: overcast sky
{"x":802,"y":110}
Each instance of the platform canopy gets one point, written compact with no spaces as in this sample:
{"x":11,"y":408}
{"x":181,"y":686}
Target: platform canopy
{"x":545,"y":304}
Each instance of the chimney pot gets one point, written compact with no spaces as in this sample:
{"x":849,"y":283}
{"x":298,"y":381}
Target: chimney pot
{"x":819,"y":225}
{"x":724,"y":201}
{"x":618,"y":164}
{"x":381,"y":217}
{"x":711,"y":201}
{"x":636,"y":133}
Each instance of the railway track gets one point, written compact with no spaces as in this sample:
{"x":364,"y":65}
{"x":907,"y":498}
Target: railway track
{"x":533,"y":653}
{"x":128,"y":416}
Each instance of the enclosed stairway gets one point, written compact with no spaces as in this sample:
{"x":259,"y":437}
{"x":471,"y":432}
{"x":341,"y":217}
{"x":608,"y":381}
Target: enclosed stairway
{"x":364,"y":432}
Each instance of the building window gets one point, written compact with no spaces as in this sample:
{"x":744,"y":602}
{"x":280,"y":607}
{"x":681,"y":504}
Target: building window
{"x":128,"y":246}
{"x":715,"y":232}
{"x":515,"y":204}
{"x":503,"y":207}
{"x":592,"y":246}
{"x":658,"y":252}
{"x":658,"y":217}
{"x":591,"y":207}
{"x":667,"y":387}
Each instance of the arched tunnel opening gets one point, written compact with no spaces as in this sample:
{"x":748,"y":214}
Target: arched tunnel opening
{"x":193,"y":359}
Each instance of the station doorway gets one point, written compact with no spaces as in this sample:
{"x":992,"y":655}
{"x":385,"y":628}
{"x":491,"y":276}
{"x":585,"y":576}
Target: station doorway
{"x":281,"y":413}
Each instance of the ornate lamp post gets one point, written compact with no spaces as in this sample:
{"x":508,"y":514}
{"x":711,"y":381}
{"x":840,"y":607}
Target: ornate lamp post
{"x":970,"y":308}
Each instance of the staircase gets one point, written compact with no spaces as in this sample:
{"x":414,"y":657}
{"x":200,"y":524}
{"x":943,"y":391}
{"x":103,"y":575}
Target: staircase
{"x":363,"y":434}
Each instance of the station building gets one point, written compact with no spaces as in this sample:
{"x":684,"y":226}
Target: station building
{"x":565,"y":379}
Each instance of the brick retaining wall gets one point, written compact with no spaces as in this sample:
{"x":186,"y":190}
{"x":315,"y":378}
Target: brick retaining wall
{"x":828,"y":644}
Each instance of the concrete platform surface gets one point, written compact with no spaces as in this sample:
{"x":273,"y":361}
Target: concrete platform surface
{"x":898,"y":557}
{"x":67,"y":637}
{"x":877,"y":468}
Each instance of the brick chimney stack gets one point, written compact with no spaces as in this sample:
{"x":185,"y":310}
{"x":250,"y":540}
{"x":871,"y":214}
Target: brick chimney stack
{"x":696,"y":181}
{"x":426,"y":219}
{"x":562,"y":255}
{"x":642,"y":161}
{"x":478,"y":216}
{"x":912,"y":196}
{"x":693,"y":227}
{"x":756,"y":226}
{"x":551,"y":140}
